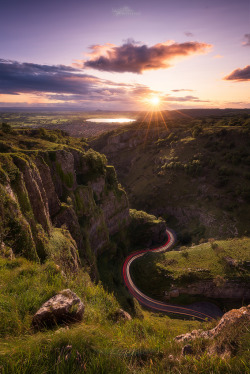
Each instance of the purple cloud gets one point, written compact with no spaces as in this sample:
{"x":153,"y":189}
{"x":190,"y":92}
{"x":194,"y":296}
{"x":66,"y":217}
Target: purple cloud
{"x":239,"y":75}
{"x":134,"y":58}
{"x":66,"y":84}
{"x":183,"y":90}
{"x":184,"y":99}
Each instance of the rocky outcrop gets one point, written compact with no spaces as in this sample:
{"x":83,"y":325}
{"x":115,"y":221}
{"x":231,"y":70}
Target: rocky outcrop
{"x":124,"y":139}
{"x":222,"y":339}
{"x":31,"y":178}
{"x":121,"y":315}
{"x":114,"y":210}
{"x":63,"y":188}
{"x":230,"y":289}
{"x":49,"y":187}
{"x":63,"y":308}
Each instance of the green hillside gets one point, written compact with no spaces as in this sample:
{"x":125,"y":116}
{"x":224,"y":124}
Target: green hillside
{"x":219,"y":262}
{"x":192,"y":171}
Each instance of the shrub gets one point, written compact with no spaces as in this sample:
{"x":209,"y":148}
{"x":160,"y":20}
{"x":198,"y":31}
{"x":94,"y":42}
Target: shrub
{"x":6,"y":128}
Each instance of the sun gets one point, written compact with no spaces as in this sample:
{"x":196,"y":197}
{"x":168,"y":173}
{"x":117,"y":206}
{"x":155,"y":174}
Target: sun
{"x":155,"y":101}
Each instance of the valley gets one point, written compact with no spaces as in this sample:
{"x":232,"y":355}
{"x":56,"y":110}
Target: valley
{"x":68,"y":224}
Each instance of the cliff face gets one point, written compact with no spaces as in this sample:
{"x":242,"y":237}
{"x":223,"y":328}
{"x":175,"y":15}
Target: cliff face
{"x":231,"y":289}
{"x":189,"y":179}
{"x":44,"y":190}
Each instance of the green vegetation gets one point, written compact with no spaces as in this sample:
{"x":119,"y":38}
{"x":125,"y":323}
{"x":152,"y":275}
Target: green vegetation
{"x":208,"y":158}
{"x":98,"y":344}
{"x":145,"y":229}
{"x":193,"y":170}
{"x":67,"y":178}
{"x":73,"y":123}
{"x":223,"y":260}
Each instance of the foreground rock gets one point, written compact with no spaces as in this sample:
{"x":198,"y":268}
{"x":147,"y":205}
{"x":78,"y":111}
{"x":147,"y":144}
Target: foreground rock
{"x":63,"y":308}
{"x":230,"y":319}
{"x":223,"y":337}
{"x":120,"y":315}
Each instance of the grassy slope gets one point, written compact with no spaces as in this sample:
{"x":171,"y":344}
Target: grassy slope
{"x":155,"y":273}
{"x":99,"y":344}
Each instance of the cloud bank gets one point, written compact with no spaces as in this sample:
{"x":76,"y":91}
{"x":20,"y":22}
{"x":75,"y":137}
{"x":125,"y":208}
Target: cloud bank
{"x":134,"y":58}
{"x":187,"y":98}
{"x":25,"y":77}
{"x":67,"y":85}
{"x":239,"y":75}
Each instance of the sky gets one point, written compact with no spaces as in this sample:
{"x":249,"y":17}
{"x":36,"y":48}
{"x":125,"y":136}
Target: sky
{"x":125,"y":55}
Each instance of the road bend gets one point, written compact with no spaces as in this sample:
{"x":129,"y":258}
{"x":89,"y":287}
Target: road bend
{"x":148,"y":301}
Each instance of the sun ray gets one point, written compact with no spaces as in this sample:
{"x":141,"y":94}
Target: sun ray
{"x":145,"y":138}
{"x":163,"y":120}
{"x":144,"y":119}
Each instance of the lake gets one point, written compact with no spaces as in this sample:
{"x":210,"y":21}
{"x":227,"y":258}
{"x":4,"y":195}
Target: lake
{"x":111,"y":120}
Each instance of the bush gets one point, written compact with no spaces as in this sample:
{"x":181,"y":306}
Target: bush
{"x":6,"y":128}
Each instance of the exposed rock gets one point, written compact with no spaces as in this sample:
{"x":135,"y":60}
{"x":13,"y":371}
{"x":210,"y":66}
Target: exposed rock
{"x":120,"y":314}
{"x":6,"y":251}
{"x":31,"y":181}
{"x":98,"y":186}
{"x":231,"y":289}
{"x":116,"y":212}
{"x":187,"y":350}
{"x":48,"y":185}
{"x":174,"y":292}
{"x":230,"y":319}
{"x":63,"y":308}
{"x":191,"y":336}
{"x":65,"y":187}
{"x":11,"y":214}
{"x":63,"y":166}
{"x":68,"y":217}
{"x":98,"y":233}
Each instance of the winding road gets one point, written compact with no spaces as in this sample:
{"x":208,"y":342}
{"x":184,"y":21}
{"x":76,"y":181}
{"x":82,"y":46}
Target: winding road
{"x":155,"y":304}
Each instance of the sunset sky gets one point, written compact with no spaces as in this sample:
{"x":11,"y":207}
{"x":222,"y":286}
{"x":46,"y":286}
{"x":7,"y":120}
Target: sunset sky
{"x":118,"y":55}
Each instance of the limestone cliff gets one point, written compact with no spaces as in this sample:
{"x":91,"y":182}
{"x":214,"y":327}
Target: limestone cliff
{"x":65,"y":188}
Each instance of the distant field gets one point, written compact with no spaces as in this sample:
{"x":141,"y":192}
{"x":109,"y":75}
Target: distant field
{"x":73,"y":122}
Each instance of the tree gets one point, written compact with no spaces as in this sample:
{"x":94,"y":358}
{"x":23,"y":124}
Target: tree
{"x":6,"y":128}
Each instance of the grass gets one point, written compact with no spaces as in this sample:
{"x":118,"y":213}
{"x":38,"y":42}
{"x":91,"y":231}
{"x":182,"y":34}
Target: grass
{"x":103,"y":345}
{"x":155,"y":273}
{"x":132,"y":347}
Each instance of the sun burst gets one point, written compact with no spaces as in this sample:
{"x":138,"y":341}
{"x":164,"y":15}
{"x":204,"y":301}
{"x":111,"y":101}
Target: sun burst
{"x":155,"y":100}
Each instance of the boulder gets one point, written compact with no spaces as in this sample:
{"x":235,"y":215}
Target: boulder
{"x":233,"y":318}
{"x":121,"y":315}
{"x":63,"y":308}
